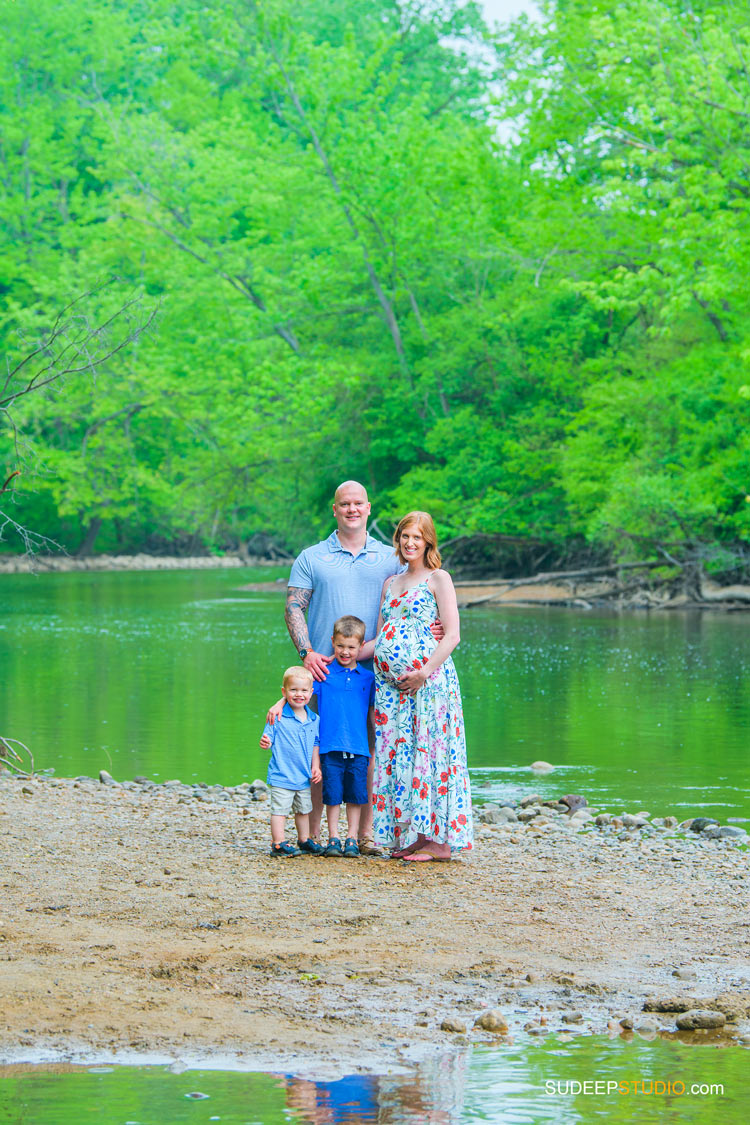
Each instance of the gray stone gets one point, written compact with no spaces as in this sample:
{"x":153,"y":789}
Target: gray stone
{"x":669,"y":1004}
{"x":670,"y":821}
{"x":528,"y":813}
{"x":532,"y":799}
{"x":572,"y":1017}
{"x":258,"y":786}
{"x":685,"y":972}
{"x":700,"y":1017}
{"x":646,"y":1027}
{"x":574,"y":801}
{"x":626,"y":1023}
{"x":698,"y":823}
{"x":496,"y":815}
{"x":492,"y":1020}
{"x":603,"y":819}
{"x":732,"y":832}
{"x":633,"y":821}
{"x":711,"y":832}
{"x":105,"y":777}
{"x":451,"y":1023}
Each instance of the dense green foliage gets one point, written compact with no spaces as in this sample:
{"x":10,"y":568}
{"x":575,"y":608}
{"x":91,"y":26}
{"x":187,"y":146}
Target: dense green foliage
{"x":500,"y":278}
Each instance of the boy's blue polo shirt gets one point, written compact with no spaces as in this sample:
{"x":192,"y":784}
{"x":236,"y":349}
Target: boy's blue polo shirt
{"x":344,"y":698}
{"x":292,"y":744}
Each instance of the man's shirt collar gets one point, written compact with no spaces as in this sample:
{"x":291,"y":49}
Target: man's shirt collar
{"x":334,"y":544}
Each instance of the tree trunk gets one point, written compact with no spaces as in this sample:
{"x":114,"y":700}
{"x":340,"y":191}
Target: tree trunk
{"x":89,"y":538}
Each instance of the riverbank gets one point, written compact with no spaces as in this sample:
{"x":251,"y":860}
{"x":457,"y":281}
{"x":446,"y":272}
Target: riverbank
{"x":67,"y":564}
{"x":150,"y":920}
{"x":578,"y":590}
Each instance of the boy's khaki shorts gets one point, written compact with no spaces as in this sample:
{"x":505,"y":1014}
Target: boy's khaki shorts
{"x":284,"y":801}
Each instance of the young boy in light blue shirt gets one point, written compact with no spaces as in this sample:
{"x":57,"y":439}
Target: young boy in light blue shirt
{"x":295,"y":762}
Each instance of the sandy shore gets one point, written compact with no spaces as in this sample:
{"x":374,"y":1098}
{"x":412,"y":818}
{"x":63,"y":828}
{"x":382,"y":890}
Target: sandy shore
{"x":153,"y":921}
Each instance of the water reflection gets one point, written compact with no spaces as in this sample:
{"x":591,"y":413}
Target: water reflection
{"x":585,"y":1079}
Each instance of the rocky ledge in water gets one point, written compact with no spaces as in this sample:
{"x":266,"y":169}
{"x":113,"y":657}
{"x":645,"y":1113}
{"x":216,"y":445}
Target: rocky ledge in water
{"x":149,"y":917}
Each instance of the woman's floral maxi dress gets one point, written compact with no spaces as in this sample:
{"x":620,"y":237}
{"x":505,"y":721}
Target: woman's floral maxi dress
{"x":421,"y":781}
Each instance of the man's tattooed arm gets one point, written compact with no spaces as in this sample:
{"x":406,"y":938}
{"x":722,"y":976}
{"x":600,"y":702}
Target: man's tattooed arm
{"x":297,"y":601}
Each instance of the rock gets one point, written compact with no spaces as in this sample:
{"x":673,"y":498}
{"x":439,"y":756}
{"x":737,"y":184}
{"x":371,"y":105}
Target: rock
{"x":669,"y":1004}
{"x":572,"y":1017}
{"x":451,"y":1023}
{"x":626,"y":1023}
{"x":603,"y":820}
{"x":670,"y":821}
{"x":646,"y":1027}
{"x":497,"y":815}
{"x":542,"y":767}
{"x":528,"y":813}
{"x":258,"y":785}
{"x":532,"y":799}
{"x":492,"y":1020}
{"x":574,"y":801}
{"x":139,"y":780}
{"x":700,"y":1017}
{"x":105,"y":777}
{"x":698,"y":823}
{"x":685,"y":972}
{"x":28,"y":791}
{"x":581,"y":815}
{"x":633,"y":821}
{"x":732,"y":832}
{"x":535,"y":1029}
{"x":260,"y":795}
{"x":711,"y":832}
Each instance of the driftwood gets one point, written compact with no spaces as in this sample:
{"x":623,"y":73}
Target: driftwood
{"x":684,"y":587}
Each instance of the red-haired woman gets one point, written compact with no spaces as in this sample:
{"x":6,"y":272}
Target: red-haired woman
{"x":421,"y":794}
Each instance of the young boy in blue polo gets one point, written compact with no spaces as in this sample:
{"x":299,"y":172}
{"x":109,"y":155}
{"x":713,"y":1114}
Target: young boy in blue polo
{"x":347,"y":733}
{"x":294,"y":763}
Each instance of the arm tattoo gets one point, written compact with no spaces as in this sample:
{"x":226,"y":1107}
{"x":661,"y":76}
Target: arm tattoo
{"x":297,"y":601}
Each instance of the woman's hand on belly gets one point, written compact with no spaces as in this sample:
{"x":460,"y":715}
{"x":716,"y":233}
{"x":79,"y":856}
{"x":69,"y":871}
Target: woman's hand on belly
{"x":411,"y":682}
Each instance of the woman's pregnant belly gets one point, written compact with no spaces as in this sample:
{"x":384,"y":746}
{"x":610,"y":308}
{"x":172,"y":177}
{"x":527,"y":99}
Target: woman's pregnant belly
{"x":400,"y":648}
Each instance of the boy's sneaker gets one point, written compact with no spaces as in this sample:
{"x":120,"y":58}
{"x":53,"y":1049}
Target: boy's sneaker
{"x":283,"y":849}
{"x":367,"y":846}
{"x":350,"y":847}
{"x":310,"y":846}
{"x":334,"y":847}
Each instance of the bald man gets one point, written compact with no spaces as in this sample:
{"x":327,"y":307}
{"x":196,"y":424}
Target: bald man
{"x":342,"y":574}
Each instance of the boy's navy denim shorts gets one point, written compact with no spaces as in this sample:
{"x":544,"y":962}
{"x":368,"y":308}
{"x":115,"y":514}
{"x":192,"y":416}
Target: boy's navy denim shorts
{"x":344,"y":779}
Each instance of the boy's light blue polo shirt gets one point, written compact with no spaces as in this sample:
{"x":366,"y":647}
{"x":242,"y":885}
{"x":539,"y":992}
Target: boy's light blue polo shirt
{"x":342,"y":583}
{"x":344,"y":698}
{"x":292,"y":744}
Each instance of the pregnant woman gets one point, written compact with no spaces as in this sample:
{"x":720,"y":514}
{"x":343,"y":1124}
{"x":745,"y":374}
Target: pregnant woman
{"x":421,"y":794}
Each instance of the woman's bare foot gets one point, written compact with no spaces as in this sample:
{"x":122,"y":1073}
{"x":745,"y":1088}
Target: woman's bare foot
{"x":430,"y":851}
{"x":418,"y":844}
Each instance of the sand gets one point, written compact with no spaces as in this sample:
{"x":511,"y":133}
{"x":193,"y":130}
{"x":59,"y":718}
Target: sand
{"x":142,"y":922}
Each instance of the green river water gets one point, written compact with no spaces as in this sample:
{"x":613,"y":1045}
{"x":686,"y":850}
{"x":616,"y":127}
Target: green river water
{"x":169,"y":674}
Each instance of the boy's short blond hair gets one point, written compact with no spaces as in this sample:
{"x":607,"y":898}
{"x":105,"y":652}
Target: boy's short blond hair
{"x":350,"y":626}
{"x":297,"y":672}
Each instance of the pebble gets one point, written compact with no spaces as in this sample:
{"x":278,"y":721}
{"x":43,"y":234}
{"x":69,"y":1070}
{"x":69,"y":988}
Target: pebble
{"x":542,"y":767}
{"x":572,"y":1017}
{"x":732,"y":832}
{"x":451,"y":1023}
{"x":685,"y":972}
{"x":700,"y":1017}
{"x":492,"y":1020}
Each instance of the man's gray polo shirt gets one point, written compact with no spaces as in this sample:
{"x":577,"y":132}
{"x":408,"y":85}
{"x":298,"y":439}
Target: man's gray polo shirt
{"x":342,"y":583}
